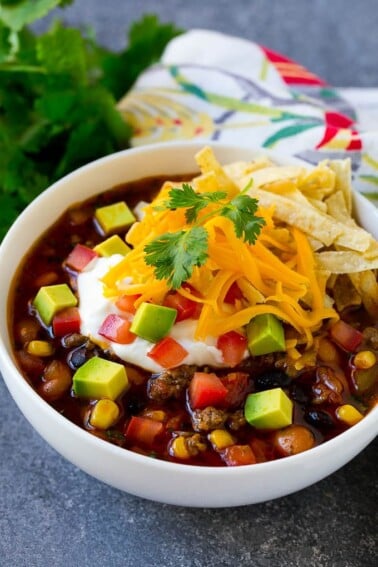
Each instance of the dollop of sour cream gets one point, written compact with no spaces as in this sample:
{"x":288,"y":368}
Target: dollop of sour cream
{"x":94,"y":308}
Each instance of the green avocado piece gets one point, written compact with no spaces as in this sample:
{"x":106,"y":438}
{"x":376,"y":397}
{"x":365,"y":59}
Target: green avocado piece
{"x":113,"y":218}
{"x":265,"y":334}
{"x":153,"y":322}
{"x":270,"y":409}
{"x":53,"y":298}
{"x":99,"y":378}
{"x":113,"y":245}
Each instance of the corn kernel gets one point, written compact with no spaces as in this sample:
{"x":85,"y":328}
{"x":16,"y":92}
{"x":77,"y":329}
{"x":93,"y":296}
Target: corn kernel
{"x":156,"y":415}
{"x":348,"y":414}
{"x":327,"y":351}
{"x":365,"y":359}
{"x":40,"y":348}
{"x":104,"y":414}
{"x":220,"y":439}
{"x":179,"y":448}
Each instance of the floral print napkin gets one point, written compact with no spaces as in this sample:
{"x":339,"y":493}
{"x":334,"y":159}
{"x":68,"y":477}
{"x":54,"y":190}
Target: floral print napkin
{"x":210,"y":86}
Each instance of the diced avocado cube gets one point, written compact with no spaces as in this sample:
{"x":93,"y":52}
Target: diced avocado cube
{"x":53,"y":298}
{"x":113,"y":245}
{"x":265,"y":334}
{"x":99,"y":378}
{"x":113,"y":218}
{"x":153,"y":322}
{"x":270,"y":409}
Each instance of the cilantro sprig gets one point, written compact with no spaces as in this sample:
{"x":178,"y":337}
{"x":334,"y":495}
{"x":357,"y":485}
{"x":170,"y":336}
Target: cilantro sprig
{"x":58,"y":95}
{"x":174,"y":255}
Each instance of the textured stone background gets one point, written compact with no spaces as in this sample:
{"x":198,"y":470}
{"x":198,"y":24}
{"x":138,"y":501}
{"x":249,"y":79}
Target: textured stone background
{"x":54,"y":515}
{"x":337,"y":39}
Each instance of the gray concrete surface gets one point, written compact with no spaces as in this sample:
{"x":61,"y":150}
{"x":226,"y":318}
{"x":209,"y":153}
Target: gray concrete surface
{"x":337,"y":39}
{"x":54,"y":515}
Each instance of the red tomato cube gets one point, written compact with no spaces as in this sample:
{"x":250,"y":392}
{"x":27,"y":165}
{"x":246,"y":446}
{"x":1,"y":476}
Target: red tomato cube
{"x":346,"y":336}
{"x":168,"y":353}
{"x":233,"y":346}
{"x":66,"y":321}
{"x":117,"y":329}
{"x":185,"y":307}
{"x":233,"y":294}
{"x":80,"y":257}
{"x":237,"y":455}
{"x":206,"y":390}
{"x":143,"y":430}
{"x":126,"y":303}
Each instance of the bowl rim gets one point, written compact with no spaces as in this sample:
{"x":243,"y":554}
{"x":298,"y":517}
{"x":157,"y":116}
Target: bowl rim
{"x":8,"y":363}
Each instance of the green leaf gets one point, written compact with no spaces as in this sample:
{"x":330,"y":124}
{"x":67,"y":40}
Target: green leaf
{"x":5,"y":43}
{"x":62,"y":51}
{"x":241,"y":211}
{"x":175,"y":254}
{"x":9,"y":209}
{"x":186,"y":197}
{"x":55,"y":112}
{"x":16,"y":15}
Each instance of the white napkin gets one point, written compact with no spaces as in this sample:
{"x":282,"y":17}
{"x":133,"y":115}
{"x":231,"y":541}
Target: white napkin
{"x":211,"y":86}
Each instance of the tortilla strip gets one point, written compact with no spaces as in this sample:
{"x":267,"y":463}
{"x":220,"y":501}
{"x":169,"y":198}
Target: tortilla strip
{"x":342,"y":169}
{"x":344,"y":262}
{"x":337,"y":208}
{"x":313,"y":222}
{"x":268,"y":175}
{"x":367,"y":286}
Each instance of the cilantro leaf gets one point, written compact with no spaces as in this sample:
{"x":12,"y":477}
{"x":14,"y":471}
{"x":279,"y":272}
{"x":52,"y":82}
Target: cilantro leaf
{"x":57,"y":104}
{"x":16,"y":15}
{"x":186,"y":197}
{"x":146,"y":42}
{"x":241,"y":211}
{"x":62,"y":51}
{"x":175,"y":254}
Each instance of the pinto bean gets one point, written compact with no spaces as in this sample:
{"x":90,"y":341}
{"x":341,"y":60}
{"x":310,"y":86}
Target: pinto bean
{"x":57,"y":380}
{"x":27,"y":330}
{"x":293,"y":439}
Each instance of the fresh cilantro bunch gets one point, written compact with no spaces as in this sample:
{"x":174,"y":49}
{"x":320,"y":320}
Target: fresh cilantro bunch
{"x":174,"y":255}
{"x":58,"y":93}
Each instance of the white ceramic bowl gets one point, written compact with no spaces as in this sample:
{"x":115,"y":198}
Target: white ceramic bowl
{"x":150,"y":478}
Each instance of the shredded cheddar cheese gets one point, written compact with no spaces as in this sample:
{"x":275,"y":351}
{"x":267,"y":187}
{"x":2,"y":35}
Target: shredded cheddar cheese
{"x":278,"y":274}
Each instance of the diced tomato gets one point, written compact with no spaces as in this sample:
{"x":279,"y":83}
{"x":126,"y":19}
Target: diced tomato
{"x":66,"y":321}
{"x":185,"y":307}
{"x":233,"y":294}
{"x":237,"y":455}
{"x":346,"y":336}
{"x":237,"y":384}
{"x":206,"y":390}
{"x":80,"y":257}
{"x":168,"y":353}
{"x":117,"y":329}
{"x":233,"y":346}
{"x":126,"y":303}
{"x":262,"y":450}
{"x":143,"y":430}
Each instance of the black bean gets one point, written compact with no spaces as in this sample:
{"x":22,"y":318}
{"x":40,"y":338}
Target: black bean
{"x":298,"y":394}
{"x":133,"y":406}
{"x":320,"y":419}
{"x":77,"y":357}
{"x":272,"y":379}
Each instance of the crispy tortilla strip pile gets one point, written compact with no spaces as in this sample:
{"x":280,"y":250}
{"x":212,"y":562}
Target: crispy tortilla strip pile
{"x":309,"y":255}
{"x":318,"y":201}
